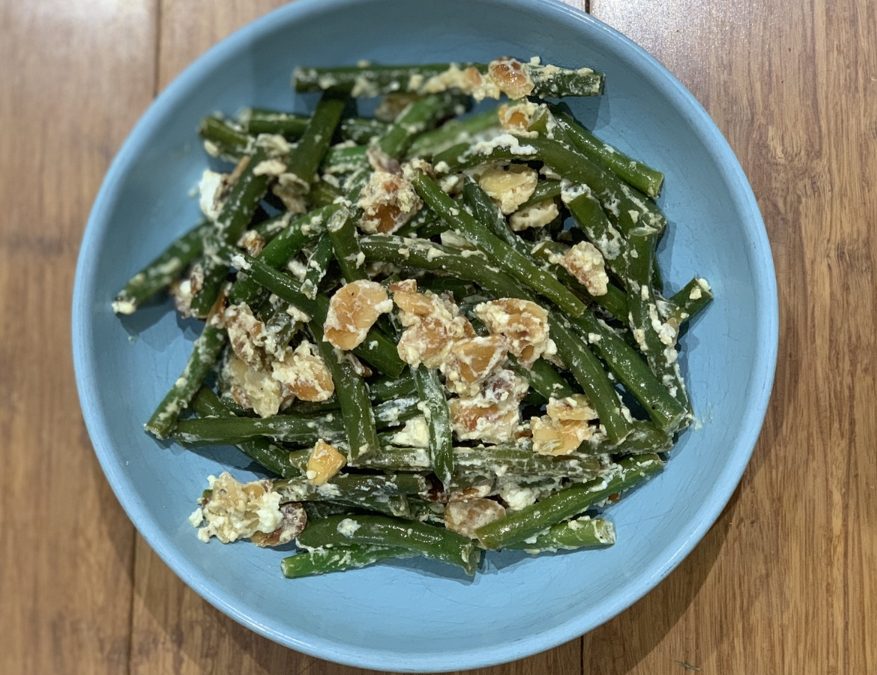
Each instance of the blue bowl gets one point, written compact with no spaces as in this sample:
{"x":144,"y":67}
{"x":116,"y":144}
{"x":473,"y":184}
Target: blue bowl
{"x":417,"y":615}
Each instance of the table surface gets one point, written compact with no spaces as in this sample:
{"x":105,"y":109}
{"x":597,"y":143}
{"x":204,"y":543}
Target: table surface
{"x":785,"y":580}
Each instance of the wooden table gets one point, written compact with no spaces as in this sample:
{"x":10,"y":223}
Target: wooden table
{"x":783,"y":583}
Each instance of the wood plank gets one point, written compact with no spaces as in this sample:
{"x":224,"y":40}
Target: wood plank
{"x":68,"y":95}
{"x":785,"y":582}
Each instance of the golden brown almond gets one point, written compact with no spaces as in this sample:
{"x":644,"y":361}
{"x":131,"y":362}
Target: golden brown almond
{"x":353,"y":310}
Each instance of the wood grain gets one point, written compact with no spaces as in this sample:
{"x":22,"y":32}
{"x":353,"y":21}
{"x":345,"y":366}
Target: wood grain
{"x":784,"y":583}
{"x":66,"y":548}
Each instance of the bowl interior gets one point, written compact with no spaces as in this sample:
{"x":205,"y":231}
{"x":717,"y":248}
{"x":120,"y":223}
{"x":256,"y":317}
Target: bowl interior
{"x":419,"y":615}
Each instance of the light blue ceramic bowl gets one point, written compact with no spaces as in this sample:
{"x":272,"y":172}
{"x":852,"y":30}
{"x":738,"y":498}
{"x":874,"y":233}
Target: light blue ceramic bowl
{"x":418,"y":615}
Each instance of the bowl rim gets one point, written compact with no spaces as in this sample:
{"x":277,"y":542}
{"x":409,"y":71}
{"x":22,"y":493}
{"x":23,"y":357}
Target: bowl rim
{"x":763,"y":367}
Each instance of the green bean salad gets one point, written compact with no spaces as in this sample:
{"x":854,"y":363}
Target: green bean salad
{"x":435,"y":330}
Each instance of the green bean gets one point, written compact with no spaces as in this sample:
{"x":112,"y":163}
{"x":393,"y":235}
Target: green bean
{"x":351,"y":488}
{"x":580,"y":533}
{"x":637,"y":174}
{"x":614,"y":300}
{"x":590,"y":376}
{"x":434,"y":406}
{"x":377,"y":349}
{"x":544,"y":379}
{"x":452,"y":132}
{"x":338,"y":559}
{"x":361,"y":130}
{"x":316,"y":267}
{"x":263,"y":452}
{"x":315,"y":141}
{"x":237,"y":211}
{"x":644,"y":438}
{"x":418,"y":116}
{"x":205,"y":353}
{"x":507,"y":462}
{"x":545,"y":189}
{"x":592,"y":220}
{"x":299,"y":233}
{"x":375,"y":80}
{"x":345,"y":159}
{"x":645,"y":322}
{"x":279,"y":283}
{"x":632,"y":372}
{"x":504,"y":256}
{"x":222,"y":139}
{"x":345,"y":248}
{"x":518,"y":526}
{"x":626,"y":206}
{"x":294,"y":428}
{"x":689,"y":301}
{"x":162,"y":271}
{"x":432,"y":542}
{"x":487,"y":213}
{"x":351,"y":392}
{"x":390,"y":389}
{"x":261,"y":121}
{"x":323,"y":193}
{"x":585,"y":367}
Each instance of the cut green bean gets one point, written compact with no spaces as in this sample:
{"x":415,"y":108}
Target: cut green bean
{"x":339,"y":559}
{"x":342,"y":159}
{"x":590,"y":376}
{"x":545,"y":189}
{"x":544,"y":379}
{"x":315,"y":141}
{"x":237,"y":211}
{"x":298,"y":233}
{"x":689,"y":301}
{"x":224,"y":140}
{"x":632,"y":372}
{"x":434,"y":406}
{"x":656,"y":339}
{"x":635,"y":173}
{"x":514,"y":263}
{"x":161,"y":272}
{"x":487,"y":213}
{"x":345,"y":248}
{"x":361,"y":130}
{"x":571,"y":535}
{"x":520,"y":525}
{"x":205,"y":353}
{"x":432,"y":542}
{"x":318,"y":262}
{"x":548,"y":81}
{"x":418,"y":116}
{"x":263,"y":452}
{"x":262,"y":121}
{"x":351,"y":488}
{"x":295,"y":429}
{"x":452,"y":132}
